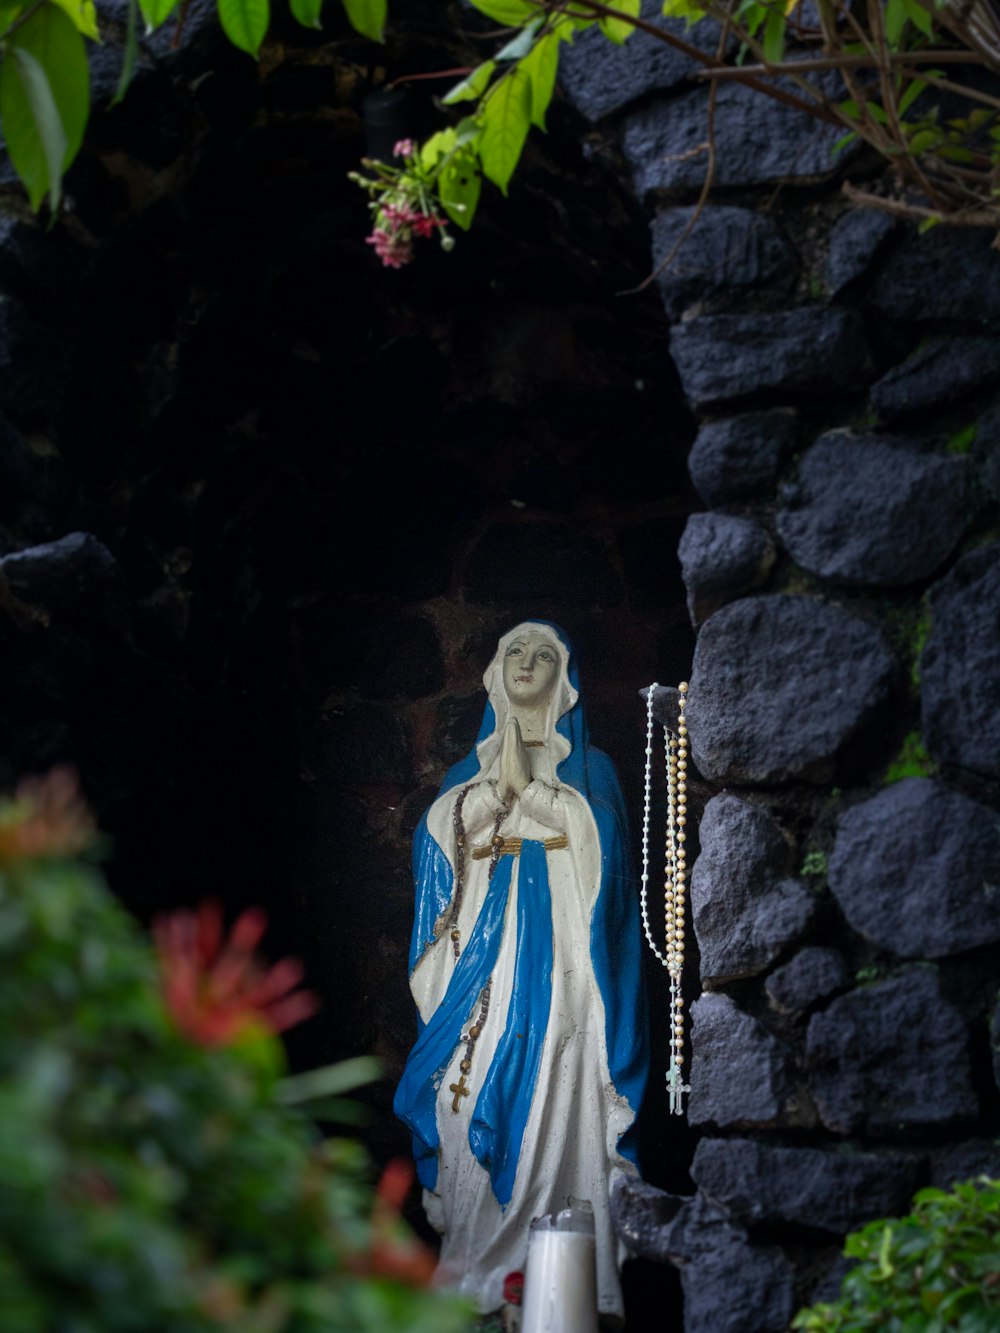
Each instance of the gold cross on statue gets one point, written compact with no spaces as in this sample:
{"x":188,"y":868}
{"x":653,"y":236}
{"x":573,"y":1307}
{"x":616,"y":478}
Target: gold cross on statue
{"x":460,"y":1090}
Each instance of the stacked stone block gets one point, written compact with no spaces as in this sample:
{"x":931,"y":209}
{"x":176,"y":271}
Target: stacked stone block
{"x":844,"y":580}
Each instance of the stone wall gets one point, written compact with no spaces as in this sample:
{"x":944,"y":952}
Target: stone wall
{"x":844,"y":707}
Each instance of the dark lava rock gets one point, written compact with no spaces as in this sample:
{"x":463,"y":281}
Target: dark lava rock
{"x":833,"y":1191}
{"x":364,"y":743}
{"x":741,"y":1075}
{"x":948,"y":277}
{"x":31,"y":360}
{"x":986,"y":449}
{"x":812,"y":975}
{"x":757,"y":140}
{"x":730,"y":1285}
{"x":600,"y":78}
{"x":995,"y":1041}
{"x":916,"y":870}
{"x":75,"y":577}
{"x":643,"y":1216}
{"x":457,"y":719}
{"x":665,"y":705}
{"x":940,"y":372}
{"x":403,"y":657}
{"x":780,"y":686}
{"x":855,"y":240}
{"x":729,"y":250}
{"x":960,"y":666}
{"x":39,"y":266}
{"x":864,"y":511}
{"x":722,"y":557}
{"x":30,"y":477}
{"x":809,"y":352}
{"x":738,"y":458}
{"x":891,"y":1057}
{"x":829,"y":1285}
{"x":744,"y":913}
{"x":548,"y":561}
{"x":964,"y":1161}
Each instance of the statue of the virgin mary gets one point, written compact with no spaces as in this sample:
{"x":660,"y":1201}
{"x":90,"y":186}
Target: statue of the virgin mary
{"x":523,"y":1086}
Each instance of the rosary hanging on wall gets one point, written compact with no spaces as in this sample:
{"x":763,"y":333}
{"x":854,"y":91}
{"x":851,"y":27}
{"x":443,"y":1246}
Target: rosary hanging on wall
{"x":674,"y":877}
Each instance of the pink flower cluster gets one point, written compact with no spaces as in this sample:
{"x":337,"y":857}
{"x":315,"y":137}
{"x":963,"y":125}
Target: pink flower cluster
{"x":397,"y":226}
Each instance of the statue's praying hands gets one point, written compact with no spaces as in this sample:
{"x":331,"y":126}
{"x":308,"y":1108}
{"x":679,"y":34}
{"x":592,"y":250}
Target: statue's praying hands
{"x":515,"y":765}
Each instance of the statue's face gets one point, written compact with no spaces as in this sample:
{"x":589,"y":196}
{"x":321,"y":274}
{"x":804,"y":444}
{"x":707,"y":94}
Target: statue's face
{"x":530,"y":668}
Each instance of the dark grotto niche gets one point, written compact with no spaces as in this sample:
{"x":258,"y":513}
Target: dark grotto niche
{"x":313,"y":493}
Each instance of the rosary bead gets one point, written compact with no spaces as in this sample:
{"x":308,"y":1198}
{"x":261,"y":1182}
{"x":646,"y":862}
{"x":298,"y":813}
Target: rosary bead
{"x":456,"y":935}
{"x":474,"y":1031}
{"x":465,"y":1066}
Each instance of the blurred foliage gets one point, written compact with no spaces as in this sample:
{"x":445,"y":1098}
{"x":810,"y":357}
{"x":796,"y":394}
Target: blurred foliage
{"x":153,"y":1182}
{"x":935,"y":1270}
{"x":878,"y":70}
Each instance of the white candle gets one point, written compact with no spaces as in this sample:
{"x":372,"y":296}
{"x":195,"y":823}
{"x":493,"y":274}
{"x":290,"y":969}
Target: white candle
{"x":560,"y":1283}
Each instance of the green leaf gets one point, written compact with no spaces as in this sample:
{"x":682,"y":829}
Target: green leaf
{"x":895,"y":21}
{"x":511,"y":13}
{"x":619,"y":30}
{"x":307,"y":12}
{"x":367,"y":17}
{"x":130,"y":54}
{"x":340,"y":1109}
{"x":918,"y":16}
{"x":437,"y":146}
{"x":330,"y":1081}
{"x":83,"y":16}
{"x":506,"y":120}
{"x":471,"y":88}
{"x":774,"y":37}
{"x":459,"y":185}
{"x":541,"y":68}
{"x":912,"y":92}
{"x":44,"y":101}
{"x":884,"y":1250}
{"x":156,"y":12}
{"x":518,"y":47}
{"x":245,"y":22}
{"x":683,"y":9}
{"x":843,"y":141}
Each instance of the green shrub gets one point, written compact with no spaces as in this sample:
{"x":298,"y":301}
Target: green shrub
{"x":154,"y":1175}
{"x":934,"y":1270}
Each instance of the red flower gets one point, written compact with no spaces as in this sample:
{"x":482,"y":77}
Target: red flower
{"x":513,"y":1288}
{"x":47,"y":817}
{"x":216,"y":988}
{"x":395,"y":1252}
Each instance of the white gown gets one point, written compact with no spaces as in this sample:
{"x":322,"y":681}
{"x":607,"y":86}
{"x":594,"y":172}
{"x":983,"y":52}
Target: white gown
{"x":569,"y":1150}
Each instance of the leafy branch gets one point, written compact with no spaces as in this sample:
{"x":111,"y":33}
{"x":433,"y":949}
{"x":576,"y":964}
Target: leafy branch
{"x":944,"y":170}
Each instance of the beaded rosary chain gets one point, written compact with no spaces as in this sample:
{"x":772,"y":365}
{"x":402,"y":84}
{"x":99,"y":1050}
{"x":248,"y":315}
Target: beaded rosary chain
{"x":674,"y":878}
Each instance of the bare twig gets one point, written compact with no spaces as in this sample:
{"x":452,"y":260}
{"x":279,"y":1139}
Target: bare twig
{"x":946,"y":85}
{"x":983,"y":216}
{"x":706,"y":187}
{"x":820,"y":63}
